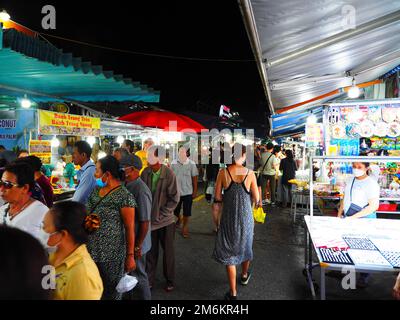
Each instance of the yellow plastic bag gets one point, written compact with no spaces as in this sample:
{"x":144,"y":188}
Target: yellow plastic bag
{"x":259,"y":215}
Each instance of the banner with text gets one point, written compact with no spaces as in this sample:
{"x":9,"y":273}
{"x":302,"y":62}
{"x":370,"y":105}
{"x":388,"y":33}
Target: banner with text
{"x":41,"y":149}
{"x":53,"y":123}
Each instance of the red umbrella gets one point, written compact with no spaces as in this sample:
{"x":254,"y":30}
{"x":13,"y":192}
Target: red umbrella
{"x":165,"y":120}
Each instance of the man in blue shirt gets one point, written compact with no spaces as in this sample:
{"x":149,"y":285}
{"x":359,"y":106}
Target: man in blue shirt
{"x":86,"y":180}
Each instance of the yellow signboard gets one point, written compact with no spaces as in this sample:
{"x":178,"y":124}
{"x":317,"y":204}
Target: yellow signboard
{"x":53,"y":123}
{"x":41,"y":149}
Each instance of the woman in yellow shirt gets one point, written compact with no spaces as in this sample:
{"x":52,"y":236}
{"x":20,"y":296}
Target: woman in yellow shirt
{"x":65,"y":228}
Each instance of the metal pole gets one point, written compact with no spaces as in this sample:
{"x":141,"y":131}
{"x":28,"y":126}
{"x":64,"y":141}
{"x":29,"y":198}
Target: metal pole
{"x":323,"y":288}
{"x":311,"y":189}
{"x":393,"y":17}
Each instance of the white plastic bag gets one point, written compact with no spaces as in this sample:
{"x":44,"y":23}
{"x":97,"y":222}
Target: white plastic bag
{"x":127,"y":283}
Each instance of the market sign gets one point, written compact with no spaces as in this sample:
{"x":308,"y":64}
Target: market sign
{"x":41,"y":149}
{"x":314,"y":135}
{"x":8,"y":123}
{"x":53,"y":123}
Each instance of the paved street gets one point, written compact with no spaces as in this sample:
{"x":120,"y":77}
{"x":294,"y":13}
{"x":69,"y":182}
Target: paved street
{"x":277,"y":267}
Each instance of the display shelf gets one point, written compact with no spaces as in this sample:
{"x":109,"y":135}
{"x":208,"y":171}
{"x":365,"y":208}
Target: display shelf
{"x":390,"y":199}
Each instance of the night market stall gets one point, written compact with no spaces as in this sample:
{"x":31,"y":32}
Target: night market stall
{"x":48,"y":100}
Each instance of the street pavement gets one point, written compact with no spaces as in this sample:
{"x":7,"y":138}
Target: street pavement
{"x":276,"y":269}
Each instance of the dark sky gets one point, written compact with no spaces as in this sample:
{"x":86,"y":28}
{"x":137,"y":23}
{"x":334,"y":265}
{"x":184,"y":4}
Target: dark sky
{"x":206,"y":29}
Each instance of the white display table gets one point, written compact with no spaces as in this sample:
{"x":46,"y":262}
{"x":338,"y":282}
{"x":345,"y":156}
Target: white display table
{"x":370,"y":245}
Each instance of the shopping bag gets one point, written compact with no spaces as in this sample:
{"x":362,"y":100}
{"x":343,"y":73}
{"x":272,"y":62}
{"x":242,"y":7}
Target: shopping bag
{"x":127,"y":283}
{"x":259,"y":215}
{"x":210,"y":188}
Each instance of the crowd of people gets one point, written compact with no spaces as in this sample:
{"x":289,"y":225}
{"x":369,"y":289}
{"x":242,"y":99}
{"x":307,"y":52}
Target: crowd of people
{"x":125,"y":207}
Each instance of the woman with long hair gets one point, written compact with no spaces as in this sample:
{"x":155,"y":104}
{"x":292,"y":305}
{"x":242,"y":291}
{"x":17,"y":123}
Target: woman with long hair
{"x":234,"y":241}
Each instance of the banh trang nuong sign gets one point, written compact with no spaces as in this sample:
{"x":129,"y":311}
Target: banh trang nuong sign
{"x":53,"y":123}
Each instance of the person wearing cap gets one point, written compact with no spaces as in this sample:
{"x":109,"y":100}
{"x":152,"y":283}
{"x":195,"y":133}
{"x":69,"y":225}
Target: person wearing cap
{"x":131,"y":165}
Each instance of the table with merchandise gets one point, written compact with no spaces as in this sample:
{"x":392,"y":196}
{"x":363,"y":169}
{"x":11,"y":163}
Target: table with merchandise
{"x":360,"y":245}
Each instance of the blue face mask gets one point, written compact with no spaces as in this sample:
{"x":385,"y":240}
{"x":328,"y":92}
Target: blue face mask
{"x":100,"y":183}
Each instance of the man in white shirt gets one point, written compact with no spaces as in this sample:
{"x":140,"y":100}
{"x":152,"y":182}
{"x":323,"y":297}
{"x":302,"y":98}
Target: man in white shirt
{"x":186,"y":174}
{"x":21,"y":211}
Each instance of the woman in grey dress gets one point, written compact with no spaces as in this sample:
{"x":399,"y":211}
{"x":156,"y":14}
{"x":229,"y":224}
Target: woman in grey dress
{"x":234,"y":240}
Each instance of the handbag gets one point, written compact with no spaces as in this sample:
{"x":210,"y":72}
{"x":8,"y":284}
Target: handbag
{"x":354,"y":209}
{"x":259,"y":215}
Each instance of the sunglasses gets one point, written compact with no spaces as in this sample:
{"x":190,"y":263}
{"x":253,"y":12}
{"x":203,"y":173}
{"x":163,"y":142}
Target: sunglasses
{"x":8,"y":185}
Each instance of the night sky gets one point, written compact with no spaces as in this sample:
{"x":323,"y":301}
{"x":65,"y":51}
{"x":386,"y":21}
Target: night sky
{"x":204,"y":29}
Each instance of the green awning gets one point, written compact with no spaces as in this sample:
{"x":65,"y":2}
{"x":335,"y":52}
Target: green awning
{"x":45,"y":73}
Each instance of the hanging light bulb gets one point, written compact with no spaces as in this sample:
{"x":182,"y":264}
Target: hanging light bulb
{"x":354,"y":91}
{"x":55,"y":143}
{"x":4,"y":16}
{"x":91,"y":141}
{"x":26,"y":103}
{"x":101,"y":155}
{"x":120,"y":139}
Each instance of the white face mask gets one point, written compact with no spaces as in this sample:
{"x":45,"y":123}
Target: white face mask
{"x":358,"y":173}
{"x":44,"y":236}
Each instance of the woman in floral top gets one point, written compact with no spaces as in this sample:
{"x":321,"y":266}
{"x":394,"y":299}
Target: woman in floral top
{"x":112,"y":245}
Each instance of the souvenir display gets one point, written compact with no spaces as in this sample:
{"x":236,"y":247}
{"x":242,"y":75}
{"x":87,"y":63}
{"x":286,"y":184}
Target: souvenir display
{"x":394,"y":129}
{"x":389,"y":114}
{"x":330,"y":255}
{"x":381,"y":129}
{"x":392,"y":257}
{"x":366,"y":129}
{"x":352,"y":130}
{"x":333,"y":115}
{"x":375,"y":114}
{"x":379,"y":123}
{"x":376,"y":143}
{"x":338,"y":131}
{"x":368,"y":257}
{"x":359,"y":243}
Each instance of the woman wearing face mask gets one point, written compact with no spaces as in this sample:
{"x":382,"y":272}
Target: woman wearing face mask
{"x":234,"y":240}
{"x":361,"y":195}
{"x":361,"y":200}
{"x":112,"y":245}
{"x":66,"y":227}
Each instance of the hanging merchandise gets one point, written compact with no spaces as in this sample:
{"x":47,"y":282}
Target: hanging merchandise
{"x":394,"y":129}
{"x":366,"y":129}
{"x":381,"y":129}
{"x":333,"y":115}
{"x":352,"y":130}
{"x":389,"y":114}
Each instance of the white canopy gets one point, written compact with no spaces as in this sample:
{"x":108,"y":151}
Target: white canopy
{"x":308,"y":48}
